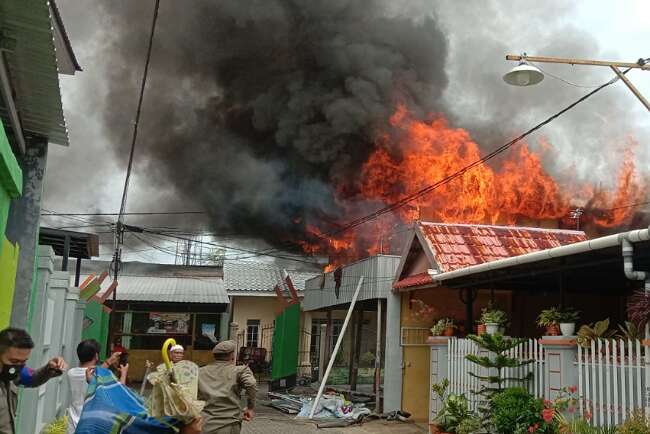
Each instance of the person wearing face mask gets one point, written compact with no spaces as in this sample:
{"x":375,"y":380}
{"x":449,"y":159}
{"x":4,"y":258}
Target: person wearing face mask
{"x":15,"y":348}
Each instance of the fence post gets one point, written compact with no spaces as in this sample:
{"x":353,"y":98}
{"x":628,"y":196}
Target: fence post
{"x":439,"y":370}
{"x":560,"y":369}
{"x":646,"y":372}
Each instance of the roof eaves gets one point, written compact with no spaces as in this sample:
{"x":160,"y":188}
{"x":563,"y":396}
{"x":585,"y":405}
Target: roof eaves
{"x":66,"y":40}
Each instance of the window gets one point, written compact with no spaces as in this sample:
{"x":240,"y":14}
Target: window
{"x":206,"y":331}
{"x":252,"y":332}
{"x":314,"y":349}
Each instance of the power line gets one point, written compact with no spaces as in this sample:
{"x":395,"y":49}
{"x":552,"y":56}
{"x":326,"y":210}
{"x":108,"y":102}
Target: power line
{"x":62,"y":214}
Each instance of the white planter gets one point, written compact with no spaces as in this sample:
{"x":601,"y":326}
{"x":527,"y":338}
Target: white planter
{"x":491,"y":328}
{"x":568,"y":328}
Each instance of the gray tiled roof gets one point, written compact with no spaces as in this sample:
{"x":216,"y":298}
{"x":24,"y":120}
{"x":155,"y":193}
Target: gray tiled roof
{"x":242,"y":276}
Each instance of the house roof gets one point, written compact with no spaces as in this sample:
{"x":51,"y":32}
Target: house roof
{"x":28,"y":33}
{"x":252,"y":277}
{"x":456,"y":246}
{"x":166,"y":283}
{"x":66,"y":59}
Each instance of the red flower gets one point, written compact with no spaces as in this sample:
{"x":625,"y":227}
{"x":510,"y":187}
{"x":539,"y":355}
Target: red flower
{"x":573,"y":389}
{"x":548,"y":414}
{"x":588,"y":415}
{"x":547,"y":403}
{"x":572,"y":409}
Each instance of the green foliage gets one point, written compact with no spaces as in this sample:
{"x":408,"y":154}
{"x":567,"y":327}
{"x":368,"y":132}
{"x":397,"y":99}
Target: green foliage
{"x":568,"y":315}
{"x":548,"y":317}
{"x":441,"y":325}
{"x":637,"y":424}
{"x":491,"y":315}
{"x":582,"y":426}
{"x":59,"y":426}
{"x":515,"y":410}
{"x":455,"y":415}
{"x":367,"y":359}
{"x":630,"y":332}
{"x":588,"y":333}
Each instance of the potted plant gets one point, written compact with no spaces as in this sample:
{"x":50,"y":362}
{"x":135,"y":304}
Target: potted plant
{"x":493,"y":319}
{"x":444,"y":327}
{"x":480,"y":328}
{"x":454,"y":416}
{"x":550,"y":319}
{"x":567,"y":319}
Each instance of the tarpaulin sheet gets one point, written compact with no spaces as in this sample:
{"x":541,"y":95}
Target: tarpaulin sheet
{"x":112,"y":408}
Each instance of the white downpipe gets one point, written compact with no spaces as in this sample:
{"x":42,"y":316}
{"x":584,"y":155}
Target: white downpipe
{"x":628,"y":263}
{"x":336,"y":348}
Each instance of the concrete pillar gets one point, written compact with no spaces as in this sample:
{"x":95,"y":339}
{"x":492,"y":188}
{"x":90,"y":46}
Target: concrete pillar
{"x":79,"y":319}
{"x":559,"y":369}
{"x":304,"y":364}
{"x":234,"y":329}
{"x":224,"y":321}
{"x":30,"y":408}
{"x":22,"y":228}
{"x":71,"y":337}
{"x":439,"y":371}
{"x":393,"y":369}
{"x":55,"y":325}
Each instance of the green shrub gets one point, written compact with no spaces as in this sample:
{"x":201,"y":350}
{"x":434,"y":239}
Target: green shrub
{"x":515,"y":410}
{"x":637,"y":424}
{"x":59,"y":426}
{"x":367,"y":359}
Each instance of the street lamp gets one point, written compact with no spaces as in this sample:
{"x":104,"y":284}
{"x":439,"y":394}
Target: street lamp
{"x":523,"y":74}
{"x":526,"y":74}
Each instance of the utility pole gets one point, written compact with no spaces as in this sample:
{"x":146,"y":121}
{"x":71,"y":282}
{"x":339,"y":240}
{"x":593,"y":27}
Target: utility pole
{"x":642,"y":64}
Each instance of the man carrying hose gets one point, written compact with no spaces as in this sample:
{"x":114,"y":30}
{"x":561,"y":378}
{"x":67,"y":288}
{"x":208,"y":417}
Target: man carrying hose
{"x":220,"y":386}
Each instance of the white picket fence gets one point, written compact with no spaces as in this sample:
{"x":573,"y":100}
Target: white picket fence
{"x":612,"y":379}
{"x":459,"y":368}
{"x":613,"y":376}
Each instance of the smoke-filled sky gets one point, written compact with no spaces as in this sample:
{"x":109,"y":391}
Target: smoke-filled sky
{"x":255,"y":111}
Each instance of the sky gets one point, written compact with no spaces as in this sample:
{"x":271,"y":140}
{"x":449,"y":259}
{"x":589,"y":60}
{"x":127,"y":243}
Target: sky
{"x":88,"y":176}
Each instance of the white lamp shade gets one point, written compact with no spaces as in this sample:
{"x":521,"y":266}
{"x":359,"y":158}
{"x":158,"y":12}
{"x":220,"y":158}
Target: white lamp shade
{"x":523,"y":75}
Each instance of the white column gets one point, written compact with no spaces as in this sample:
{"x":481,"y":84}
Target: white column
{"x":304,"y":364}
{"x":393,"y":358}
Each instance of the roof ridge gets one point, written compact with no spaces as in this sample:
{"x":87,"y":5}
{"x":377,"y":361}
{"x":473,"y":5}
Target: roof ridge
{"x":509,"y":227}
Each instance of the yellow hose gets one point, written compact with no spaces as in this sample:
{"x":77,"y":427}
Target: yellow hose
{"x":165,"y":352}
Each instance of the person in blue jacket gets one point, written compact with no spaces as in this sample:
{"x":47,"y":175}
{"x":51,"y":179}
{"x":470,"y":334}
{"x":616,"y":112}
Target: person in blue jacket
{"x":15,"y":348}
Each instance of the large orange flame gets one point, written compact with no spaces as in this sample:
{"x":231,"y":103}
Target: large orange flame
{"x":519,"y":191}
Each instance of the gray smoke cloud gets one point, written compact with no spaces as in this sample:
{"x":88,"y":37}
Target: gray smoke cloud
{"x":256,"y":110}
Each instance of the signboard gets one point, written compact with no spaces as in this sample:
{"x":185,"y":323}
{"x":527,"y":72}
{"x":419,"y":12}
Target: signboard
{"x":169,"y":323}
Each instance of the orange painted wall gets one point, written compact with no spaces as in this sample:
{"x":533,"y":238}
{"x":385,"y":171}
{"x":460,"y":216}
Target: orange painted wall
{"x":416,"y":373}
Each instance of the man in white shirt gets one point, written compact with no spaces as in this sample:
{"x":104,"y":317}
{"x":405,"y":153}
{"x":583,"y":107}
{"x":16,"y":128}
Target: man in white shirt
{"x":88,"y":353}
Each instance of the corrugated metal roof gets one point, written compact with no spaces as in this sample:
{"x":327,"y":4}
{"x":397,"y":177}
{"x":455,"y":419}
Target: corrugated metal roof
{"x":171,"y":289}
{"x":455,"y":246}
{"x":33,"y":68}
{"x":166,"y":283}
{"x":378,"y":272}
{"x":256,"y":277}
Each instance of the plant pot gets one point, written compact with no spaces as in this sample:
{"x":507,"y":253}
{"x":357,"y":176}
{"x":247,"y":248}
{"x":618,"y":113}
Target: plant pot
{"x":568,"y":328}
{"x":435,"y":429}
{"x":480,"y":329}
{"x":553,"y":330}
{"x":491,"y":328}
{"x":449,"y":331}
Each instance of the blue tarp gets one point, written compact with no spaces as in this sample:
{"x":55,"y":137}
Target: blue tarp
{"x":112,"y":408}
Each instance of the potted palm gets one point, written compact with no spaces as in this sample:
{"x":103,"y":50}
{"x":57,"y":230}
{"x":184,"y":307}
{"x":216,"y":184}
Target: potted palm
{"x":493,"y":319}
{"x":444,"y":327}
{"x":454,"y":416}
{"x":567,"y":319}
{"x":550,"y":319}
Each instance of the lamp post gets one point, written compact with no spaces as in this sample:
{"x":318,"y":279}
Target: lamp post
{"x":526,"y":74}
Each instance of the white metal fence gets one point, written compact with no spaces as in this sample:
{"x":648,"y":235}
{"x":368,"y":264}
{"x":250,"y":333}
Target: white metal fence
{"x":612,"y":379}
{"x":612,"y":376}
{"x":460,"y":369}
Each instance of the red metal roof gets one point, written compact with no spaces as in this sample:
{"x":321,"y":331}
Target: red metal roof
{"x":461,"y":245}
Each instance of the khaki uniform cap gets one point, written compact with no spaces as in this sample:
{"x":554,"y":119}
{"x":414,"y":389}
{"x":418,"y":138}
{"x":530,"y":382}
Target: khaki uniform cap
{"x":225,"y":347}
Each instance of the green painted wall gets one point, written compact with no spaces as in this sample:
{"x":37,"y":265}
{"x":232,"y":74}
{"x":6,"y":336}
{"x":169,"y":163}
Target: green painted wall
{"x":11,"y":184}
{"x":8,"y":264}
{"x":286,"y":338}
{"x":96,"y":325}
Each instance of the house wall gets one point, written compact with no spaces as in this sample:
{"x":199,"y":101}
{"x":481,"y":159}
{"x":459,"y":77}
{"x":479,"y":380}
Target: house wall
{"x":416,"y":359}
{"x":263,"y":309}
{"x":11,"y":183}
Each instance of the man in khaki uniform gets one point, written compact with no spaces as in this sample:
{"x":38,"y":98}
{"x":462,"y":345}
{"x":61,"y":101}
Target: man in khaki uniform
{"x":220,"y":386}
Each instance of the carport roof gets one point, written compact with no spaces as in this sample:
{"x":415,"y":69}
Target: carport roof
{"x":588,"y":265}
